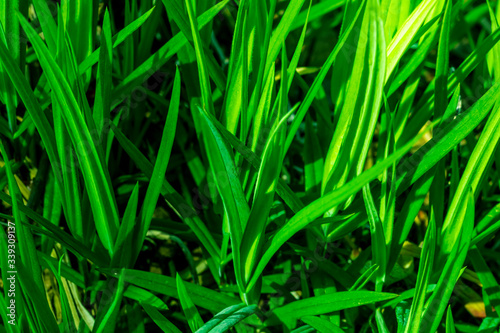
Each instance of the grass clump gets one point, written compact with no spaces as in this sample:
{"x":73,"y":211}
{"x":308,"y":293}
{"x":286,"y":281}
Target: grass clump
{"x":250,"y":166}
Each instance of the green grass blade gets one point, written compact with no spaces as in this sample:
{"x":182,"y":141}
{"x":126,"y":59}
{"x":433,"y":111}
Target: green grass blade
{"x":102,"y":199}
{"x":48,"y":24}
{"x":321,"y":325}
{"x":444,"y":140}
{"x":56,"y":233}
{"x":159,"y":319}
{"x":268,"y":174}
{"x":377,"y":236}
{"x":406,"y":33}
{"x":449,"y":274}
{"x":227,"y":318}
{"x":192,"y":315}
{"x":108,"y":321}
{"x":476,"y":165}
{"x":161,"y":164}
{"x":32,"y":106}
{"x":102,"y":103}
{"x":441,"y":86}
{"x":327,"y":303}
{"x":124,"y":242}
{"x":424,"y":273}
{"x":317,"y":11}
{"x":229,"y":188}
{"x":166,"y":285}
{"x":490,"y":284}
{"x":282,"y":30}
{"x":450,"y":325}
{"x":25,"y":242}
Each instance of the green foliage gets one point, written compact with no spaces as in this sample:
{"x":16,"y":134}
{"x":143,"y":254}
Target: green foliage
{"x":254,"y":165}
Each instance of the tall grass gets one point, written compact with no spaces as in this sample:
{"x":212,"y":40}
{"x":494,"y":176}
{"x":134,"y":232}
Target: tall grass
{"x":253,"y":165}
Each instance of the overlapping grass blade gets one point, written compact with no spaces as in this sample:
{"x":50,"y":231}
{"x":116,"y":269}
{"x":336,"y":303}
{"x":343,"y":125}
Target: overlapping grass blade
{"x":178,"y":204}
{"x":158,"y":59}
{"x":227,"y":318}
{"x":311,"y":94}
{"x":327,"y":303}
{"x":201,"y":296}
{"x":320,"y":206}
{"x":192,"y":315}
{"x":436,"y":304}
{"x":102,"y":199}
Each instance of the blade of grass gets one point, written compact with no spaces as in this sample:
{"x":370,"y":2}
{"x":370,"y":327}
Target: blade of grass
{"x":159,"y":319}
{"x":321,"y":325}
{"x":104,"y":82}
{"x":102,"y":199}
{"x":449,"y":274}
{"x":107,"y":322}
{"x":166,"y":285}
{"x":161,"y":164}
{"x":268,"y":174}
{"x":325,"y":304}
{"x":424,"y":273}
{"x":227,"y":318}
{"x":192,"y":315}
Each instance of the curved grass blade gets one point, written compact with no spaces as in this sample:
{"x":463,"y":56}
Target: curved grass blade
{"x":33,"y":107}
{"x":478,"y":161}
{"x":326,"y":303}
{"x":56,"y":233}
{"x":227,"y":318}
{"x":101,"y":195}
{"x":107,"y":322}
{"x":288,"y":196}
{"x":229,"y":188}
{"x":445,"y":139}
{"x":406,"y":33}
{"x":425,"y":106}
{"x":166,"y":285}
